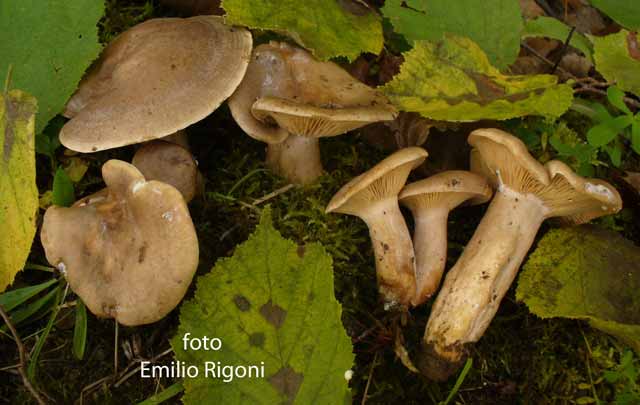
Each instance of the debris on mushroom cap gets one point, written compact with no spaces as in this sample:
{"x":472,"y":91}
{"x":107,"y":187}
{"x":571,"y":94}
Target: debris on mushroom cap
{"x":504,"y":159}
{"x":154,"y":79}
{"x":169,"y":163}
{"x":378,"y":182}
{"x":448,"y":189}
{"x":304,"y":96}
{"x":129,"y":251}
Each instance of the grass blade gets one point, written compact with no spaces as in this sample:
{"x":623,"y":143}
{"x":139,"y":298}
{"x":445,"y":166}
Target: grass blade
{"x":12,"y":299}
{"x":459,"y":381}
{"x":29,"y":310}
{"x":80,"y":330}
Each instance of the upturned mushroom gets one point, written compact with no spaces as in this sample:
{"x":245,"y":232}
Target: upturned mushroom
{"x":526,"y":194}
{"x":288,"y":99}
{"x":373,"y":196}
{"x":129,"y":251}
{"x":154,"y":79}
{"x":169,"y":163}
{"x":430,"y":201}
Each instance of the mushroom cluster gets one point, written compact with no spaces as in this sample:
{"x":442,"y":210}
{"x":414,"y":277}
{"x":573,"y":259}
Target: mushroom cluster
{"x":130,"y":250}
{"x":409,"y":273}
{"x":149,"y":84}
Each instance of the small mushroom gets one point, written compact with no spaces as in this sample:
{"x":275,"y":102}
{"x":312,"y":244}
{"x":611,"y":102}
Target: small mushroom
{"x":373,"y":196}
{"x":430,"y":201}
{"x":154,"y":79}
{"x":129,"y":251}
{"x":288,"y":99}
{"x":526,"y":194}
{"x":169,"y":163}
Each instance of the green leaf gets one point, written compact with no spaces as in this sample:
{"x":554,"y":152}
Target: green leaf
{"x":37,"y":308}
{"x":18,"y":191}
{"x":272,"y":302}
{"x":37,"y":349}
{"x":80,"y":330}
{"x":12,"y":299}
{"x":555,"y":29}
{"x":63,"y":193}
{"x":329,"y":28}
{"x":606,"y":132}
{"x":49,"y":44}
{"x":47,"y":141}
{"x":452,"y":80}
{"x":635,"y":136}
{"x":585,"y":273}
{"x":624,"y":12}
{"x":165,"y":395}
{"x":617,"y":58}
{"x":616,"y":98}
{"x":495,"y":25}
{"x":615,"y":153}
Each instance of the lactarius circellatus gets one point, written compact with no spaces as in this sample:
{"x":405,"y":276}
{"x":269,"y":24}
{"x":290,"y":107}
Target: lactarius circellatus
{"x":155,"y":79}
{"x":373,"y":196}
{"x":527,"y":193}
{"x":169,"y":163}
{"x":288,"y":99}
{"x":430,"y":201}
{"x":129,"y":251}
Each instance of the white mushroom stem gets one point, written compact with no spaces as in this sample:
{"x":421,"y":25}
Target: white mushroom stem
{"x":430,"y":244}
{"x":297,"y":159}
{"x":473,"y":289}
{"x":395,"y":261}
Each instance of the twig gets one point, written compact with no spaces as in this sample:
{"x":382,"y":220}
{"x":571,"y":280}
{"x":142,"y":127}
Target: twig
{"x":22,"y":369}
{"x":587,"y":85}
{"x":273,"y":194}
{"x":545,"y":60}
{"x":366,"y":388}
{"x":563,"y":50}
{"x":115,"y":351}
{"x":128,"y":375}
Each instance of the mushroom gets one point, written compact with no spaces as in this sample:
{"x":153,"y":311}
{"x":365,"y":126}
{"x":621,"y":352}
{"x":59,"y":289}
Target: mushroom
{"x":288,"y":99}
{"x":169,"y":163}
{"x":430,"y":201}
{"x":154,"y":79}
{"x":526,"y":194}
{"x":373,"y":196}
{"x":129,"y":251}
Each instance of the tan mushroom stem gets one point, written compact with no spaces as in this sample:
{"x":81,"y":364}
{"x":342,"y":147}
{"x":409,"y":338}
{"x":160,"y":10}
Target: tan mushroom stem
{"x":527,"y":193}
{"x":430,"y":245}
{"x":296,"y":159}
{"x":430,"y":201}
{"x":393,"y":249}
{"x":373,"y":196}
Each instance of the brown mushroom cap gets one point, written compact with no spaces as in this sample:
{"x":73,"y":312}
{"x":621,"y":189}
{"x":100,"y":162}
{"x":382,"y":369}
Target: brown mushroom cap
{"x":129,"y":252}
{"x":154,"y":79}
{"x":505,"y":161}
{"x":447,"y":189}
{"x":385,"y":179}
{"x":304,"y":96}
{"x":169,"y":163}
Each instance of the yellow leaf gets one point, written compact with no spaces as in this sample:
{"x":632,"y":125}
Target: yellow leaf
{"x":18,"y":191}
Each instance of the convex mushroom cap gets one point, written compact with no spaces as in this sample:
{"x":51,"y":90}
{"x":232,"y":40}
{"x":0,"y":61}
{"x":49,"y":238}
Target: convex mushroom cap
{"x":129,"y":251}
{"x":373,"y":196}
{"x":430,"y":201}
{"x":154,"y":79}
{"x":289,"y":99}
{"x":169,"y":163}
{"x":527,"y":193}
